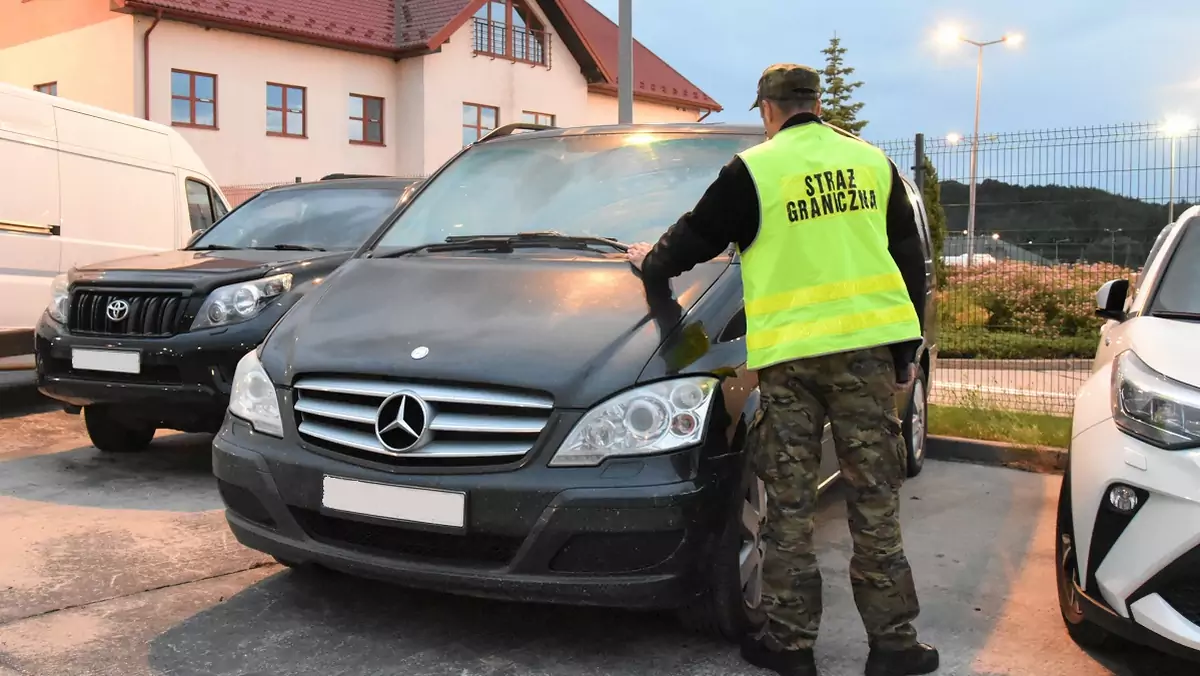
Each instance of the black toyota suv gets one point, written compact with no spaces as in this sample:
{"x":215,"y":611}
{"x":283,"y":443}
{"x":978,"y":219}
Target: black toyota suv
{"x":152,"y":341}
{"x":487,"y":399}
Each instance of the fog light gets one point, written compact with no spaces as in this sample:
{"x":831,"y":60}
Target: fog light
{"x":1123,"y":499}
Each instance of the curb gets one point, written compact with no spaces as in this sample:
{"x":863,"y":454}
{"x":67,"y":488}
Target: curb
{"x":1038,"y":459}
{"x":1016,"y":364}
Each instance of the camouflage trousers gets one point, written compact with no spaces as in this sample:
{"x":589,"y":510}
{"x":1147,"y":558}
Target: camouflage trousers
{"x":854,"y":391}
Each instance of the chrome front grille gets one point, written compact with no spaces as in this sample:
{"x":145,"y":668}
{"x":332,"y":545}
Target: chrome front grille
{"x":465,"y":424}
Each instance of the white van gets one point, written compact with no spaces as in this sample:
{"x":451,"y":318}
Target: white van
{"x":79,"y":185}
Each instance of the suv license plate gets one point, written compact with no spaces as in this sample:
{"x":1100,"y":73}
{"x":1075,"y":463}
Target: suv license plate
{"x":399,"y":503}
{"x":113,"y":361}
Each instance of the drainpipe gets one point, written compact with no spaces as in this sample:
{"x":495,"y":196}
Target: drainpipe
{"x":146,"y":64}
{"x":706,"y":114}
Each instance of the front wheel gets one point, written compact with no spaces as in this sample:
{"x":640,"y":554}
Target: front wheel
{"x":916,"y":423}
{"x":111,"y":434}
{"x":732,"y":603}
{"x":1085,"y":633}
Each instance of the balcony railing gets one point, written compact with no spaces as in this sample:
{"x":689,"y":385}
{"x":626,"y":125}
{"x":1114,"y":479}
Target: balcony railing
{"x":527,"y":44}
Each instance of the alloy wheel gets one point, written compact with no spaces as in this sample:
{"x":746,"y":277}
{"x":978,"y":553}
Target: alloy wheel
{"x":753,"y":550}
{"x":918,"y":421}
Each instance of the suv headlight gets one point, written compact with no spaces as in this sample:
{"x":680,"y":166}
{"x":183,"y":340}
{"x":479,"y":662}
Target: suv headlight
{"x":253,"y":397}
{"x":60,"y":298}
{"x":1152,"y":407}
{"x":654,"y":418}
{"x":238,"y":302}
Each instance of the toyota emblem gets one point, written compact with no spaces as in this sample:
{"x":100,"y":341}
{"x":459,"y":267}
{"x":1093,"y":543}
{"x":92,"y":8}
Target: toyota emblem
{"x":402,"y":422}
{"x":117,"y":310}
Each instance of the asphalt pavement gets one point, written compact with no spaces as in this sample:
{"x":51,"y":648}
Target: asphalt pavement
{"x":122,"y":565}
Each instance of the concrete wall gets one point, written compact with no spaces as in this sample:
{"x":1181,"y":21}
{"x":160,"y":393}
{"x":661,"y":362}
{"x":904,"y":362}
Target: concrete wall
{"x":602,"y":109}
{"x":92,"y":64}
{"x":240,"y":152}
{"x":24,"y":21}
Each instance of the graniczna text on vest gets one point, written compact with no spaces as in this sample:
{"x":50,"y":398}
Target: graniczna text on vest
{"x":828,"y":192}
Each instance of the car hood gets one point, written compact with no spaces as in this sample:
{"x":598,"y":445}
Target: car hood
{"x":204,"y":269}
{"x":1165,"y":345}
{"x":575,"y":328}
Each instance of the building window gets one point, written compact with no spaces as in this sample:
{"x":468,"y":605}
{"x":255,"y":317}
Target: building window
{"x":285,"y":110}
{"x":193,"y":99}
{"x":510,"y":29}
{"x":537,"y":118}
{"x":477,"y":121}
{"x":204,"y":207}
{"x":366,"y":120}
{"x":50,"y":88}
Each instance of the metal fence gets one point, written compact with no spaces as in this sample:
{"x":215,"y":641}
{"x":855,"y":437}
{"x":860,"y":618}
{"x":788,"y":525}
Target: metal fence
{"x":1057,"y":214}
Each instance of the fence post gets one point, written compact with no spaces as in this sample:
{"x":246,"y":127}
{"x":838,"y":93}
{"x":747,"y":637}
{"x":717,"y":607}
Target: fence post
{"x":919,"y":162}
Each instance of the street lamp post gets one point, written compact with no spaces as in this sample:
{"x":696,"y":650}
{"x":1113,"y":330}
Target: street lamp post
{"x":951,"y":35}
{"x":625,"y":62}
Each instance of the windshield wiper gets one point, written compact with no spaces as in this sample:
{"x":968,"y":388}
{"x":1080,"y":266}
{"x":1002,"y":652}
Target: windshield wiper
{"x":213,"y":247}
{"x":287,"y":247}
{"x":508,"y":243}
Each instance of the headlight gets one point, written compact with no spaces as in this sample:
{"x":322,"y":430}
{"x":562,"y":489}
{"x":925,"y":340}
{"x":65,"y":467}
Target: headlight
{"x":239,"y":302}
{"x":253,"y":397}
{"x":60,"y":297}
{"x":654,"y":418}
{"x":1152,"y":407}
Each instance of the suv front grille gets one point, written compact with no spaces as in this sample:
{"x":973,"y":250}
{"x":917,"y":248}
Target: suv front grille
{"x":465,"y":425}
{"x":153,"y":314}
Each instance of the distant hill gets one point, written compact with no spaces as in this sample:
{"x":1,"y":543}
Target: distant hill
{"x":1088,"y":224}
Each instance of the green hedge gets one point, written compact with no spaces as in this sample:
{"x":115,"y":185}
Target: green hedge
{"x":980,"y":343}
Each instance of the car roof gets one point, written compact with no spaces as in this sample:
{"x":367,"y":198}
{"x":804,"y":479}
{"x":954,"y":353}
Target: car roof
{"x":391,"y":182}
{"x":644,"y":128}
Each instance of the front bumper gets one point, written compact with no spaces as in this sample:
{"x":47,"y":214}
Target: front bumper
{"x":184,"y":381}
{"x":1141,"y":572}
{"x":586,"y":536}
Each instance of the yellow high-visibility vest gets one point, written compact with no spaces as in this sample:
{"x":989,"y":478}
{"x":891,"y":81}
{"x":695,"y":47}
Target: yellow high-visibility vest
{"x":818,"y":278}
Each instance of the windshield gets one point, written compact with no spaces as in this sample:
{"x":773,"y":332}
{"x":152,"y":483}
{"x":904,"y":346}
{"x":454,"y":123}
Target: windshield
{"x":320,"y":218}
{"x":628,"y":187}
{"x":1179,"y":290}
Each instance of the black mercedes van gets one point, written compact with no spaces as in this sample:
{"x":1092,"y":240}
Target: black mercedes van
{"x":151,"y":342}
{"x":487,"y":399}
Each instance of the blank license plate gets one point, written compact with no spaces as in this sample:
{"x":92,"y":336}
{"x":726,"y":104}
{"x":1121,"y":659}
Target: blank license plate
{"x":113,"y":361}
{"x":401,"y":503}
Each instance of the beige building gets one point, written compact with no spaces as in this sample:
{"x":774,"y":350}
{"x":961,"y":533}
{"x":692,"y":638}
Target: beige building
{"x":270,"y":90}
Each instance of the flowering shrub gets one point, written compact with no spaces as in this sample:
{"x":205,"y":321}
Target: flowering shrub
{"x":1055,"y":303}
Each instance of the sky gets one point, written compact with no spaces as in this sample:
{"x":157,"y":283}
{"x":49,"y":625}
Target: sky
{"x":1082,"y":63}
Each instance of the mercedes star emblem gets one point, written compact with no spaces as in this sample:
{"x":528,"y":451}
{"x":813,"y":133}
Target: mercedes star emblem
{"x":117,"y":310}
{"x":420,"y":352}
{"x":401,"y":422}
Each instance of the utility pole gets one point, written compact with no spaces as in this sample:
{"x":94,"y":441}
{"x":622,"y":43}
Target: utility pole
{"x":625,"y":63}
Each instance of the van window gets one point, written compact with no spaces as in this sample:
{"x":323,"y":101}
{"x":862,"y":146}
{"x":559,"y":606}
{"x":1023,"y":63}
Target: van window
{"x":201,"y":209}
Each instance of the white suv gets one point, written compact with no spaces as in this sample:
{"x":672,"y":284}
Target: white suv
{"x":1128,"y":551}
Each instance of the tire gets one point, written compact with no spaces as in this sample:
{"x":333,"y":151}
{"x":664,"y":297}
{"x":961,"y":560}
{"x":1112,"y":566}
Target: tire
{"x":1085,"y":633}
{"x":916,"y":423}
{"x":729,"y":608}
{"x":112,"y":435}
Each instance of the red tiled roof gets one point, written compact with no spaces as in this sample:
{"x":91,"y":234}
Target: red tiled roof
{"x":424,"y":24}
{"x":652,"y":77}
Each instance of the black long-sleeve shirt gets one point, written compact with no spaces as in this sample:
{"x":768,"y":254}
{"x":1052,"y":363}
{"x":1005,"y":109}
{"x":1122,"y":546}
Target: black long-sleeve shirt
{"x":729,"y":213}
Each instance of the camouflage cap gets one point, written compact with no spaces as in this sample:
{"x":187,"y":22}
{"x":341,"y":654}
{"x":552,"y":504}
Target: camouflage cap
{"x":785,"y":81}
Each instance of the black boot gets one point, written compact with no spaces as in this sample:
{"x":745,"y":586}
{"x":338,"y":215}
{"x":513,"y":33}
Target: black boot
{"x":919,"y":659}
{"x":765,"y":654}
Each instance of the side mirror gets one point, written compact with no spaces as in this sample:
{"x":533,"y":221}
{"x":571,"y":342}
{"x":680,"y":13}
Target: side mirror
{"x":1110,"y":299}
{"x":195,"y":236}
